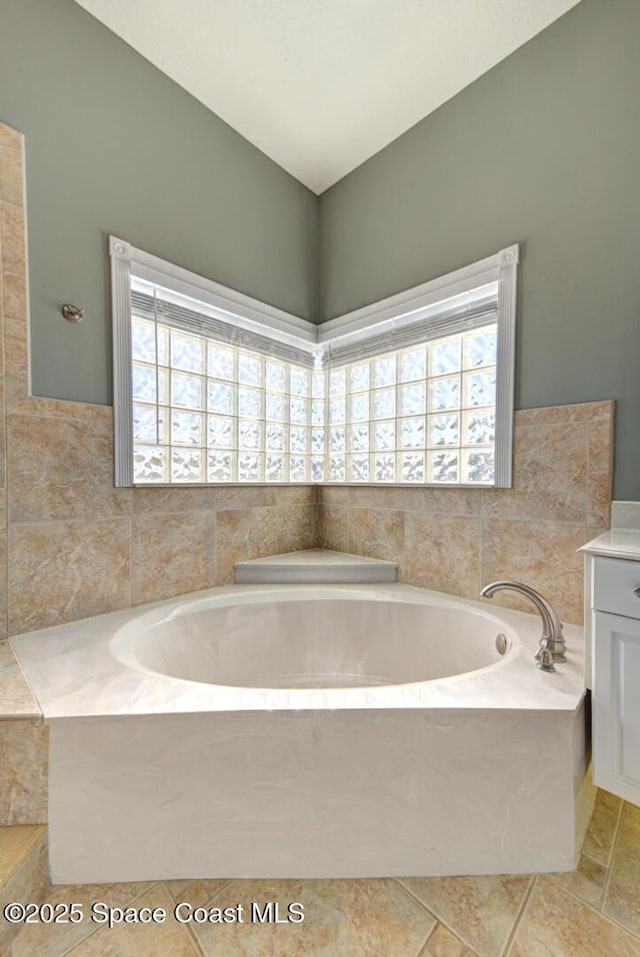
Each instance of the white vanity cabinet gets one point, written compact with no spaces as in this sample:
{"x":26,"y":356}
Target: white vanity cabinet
{"x":613,"y":626}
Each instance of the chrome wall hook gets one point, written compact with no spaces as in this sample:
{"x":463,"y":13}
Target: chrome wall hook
{"x":72,"y":313}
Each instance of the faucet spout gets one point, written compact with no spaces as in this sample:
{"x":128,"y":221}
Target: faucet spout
{"x":552,"y":638}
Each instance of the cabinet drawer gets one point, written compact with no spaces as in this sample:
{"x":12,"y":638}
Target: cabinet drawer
{"x":614,"y":581}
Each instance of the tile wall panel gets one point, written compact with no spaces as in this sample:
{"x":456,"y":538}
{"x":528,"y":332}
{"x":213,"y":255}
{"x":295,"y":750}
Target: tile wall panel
{"x":244,"y":533}
{"x":456,"y":540}
{"x":62,"y":571}
{"x":24,"y":746}
{"x":378,"y":533}
{"x":71,"y":544}
{"x":62,"y":468}
{"x":172,"y":554}
{"x":442,"y":550}
{"x":59,"y":462}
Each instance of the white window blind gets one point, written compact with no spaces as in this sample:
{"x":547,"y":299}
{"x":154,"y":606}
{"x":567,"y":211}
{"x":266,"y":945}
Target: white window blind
{"x":171,"y":311}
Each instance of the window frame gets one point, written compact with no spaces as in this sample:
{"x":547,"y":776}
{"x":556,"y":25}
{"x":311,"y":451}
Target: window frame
{"x":388,"y":317}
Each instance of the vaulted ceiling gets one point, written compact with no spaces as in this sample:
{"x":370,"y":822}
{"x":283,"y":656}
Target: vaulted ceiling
{"x":322,"y":85}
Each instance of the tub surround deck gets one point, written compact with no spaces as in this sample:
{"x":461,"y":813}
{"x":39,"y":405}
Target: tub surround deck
{"x":54,"y":659}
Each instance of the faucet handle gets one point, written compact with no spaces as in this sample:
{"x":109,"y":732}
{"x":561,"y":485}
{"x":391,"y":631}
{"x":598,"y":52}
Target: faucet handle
{"x":545,"y":660}
{"x":558,"y":648}
{"x":544,"y":656}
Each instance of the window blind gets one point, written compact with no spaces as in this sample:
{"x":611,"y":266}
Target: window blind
{"x":423,"y":331}
{"x":159,"y":305}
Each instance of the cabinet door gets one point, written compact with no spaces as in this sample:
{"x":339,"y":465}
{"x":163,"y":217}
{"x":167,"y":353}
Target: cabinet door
{"x":616,"y":705}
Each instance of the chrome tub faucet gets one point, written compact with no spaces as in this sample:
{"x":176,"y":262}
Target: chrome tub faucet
{"x":552,"y":644}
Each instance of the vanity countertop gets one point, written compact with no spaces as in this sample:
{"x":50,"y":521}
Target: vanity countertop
{"x":616,"y":543}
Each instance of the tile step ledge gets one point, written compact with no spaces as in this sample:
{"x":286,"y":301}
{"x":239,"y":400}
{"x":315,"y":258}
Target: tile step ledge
{"x":317,"y":566}
{"x":23,"y":873}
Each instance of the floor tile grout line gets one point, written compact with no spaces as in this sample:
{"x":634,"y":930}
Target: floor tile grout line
{"x":426,"y":953}
{"x":208,"y":903}
{"x":618,"y":923}
{"x":196,"y":943}
{"x":429,"y":935}
{"x":191,"y":926}
{"x":518,"y":918}
{"x":570,"y":890}
{"x":422,"y":950}
{"x":610,"y":857}
{"x":616,"y":833}
{"x":601,"y":914}
{"x":128,"y":903}
{"x":614,"y":843}
{"x":594,"y":860}
{"x":223,"y":887}
{"x":436,"y":917}
{"x":78,"y":943}
{"x":151,"y":886}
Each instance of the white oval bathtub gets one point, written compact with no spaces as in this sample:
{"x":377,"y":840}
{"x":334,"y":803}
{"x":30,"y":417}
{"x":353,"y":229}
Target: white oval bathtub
{"x":307,"y":731}
{"x":313,"y":641}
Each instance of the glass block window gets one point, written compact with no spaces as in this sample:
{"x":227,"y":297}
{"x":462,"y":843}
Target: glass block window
{"x":209,"y":412}
{"x":211,"y":386}
{"x":421,"y":415}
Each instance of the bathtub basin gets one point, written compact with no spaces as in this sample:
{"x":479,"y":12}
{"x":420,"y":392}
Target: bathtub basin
{"x":307,"y":641}
{"x":308,"y":731}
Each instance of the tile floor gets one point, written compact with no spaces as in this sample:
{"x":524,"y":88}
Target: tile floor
{"x":592,"y":912}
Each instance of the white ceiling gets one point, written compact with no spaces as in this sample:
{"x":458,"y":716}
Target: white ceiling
{"x":321,"y":85}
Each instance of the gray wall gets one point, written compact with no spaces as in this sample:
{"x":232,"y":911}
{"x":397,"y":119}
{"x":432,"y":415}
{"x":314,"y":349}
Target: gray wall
{"x":114,"y":146}
{"x":544,"y":150}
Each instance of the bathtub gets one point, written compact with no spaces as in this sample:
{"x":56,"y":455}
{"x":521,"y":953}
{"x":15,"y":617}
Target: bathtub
{"x":308,"y":731}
